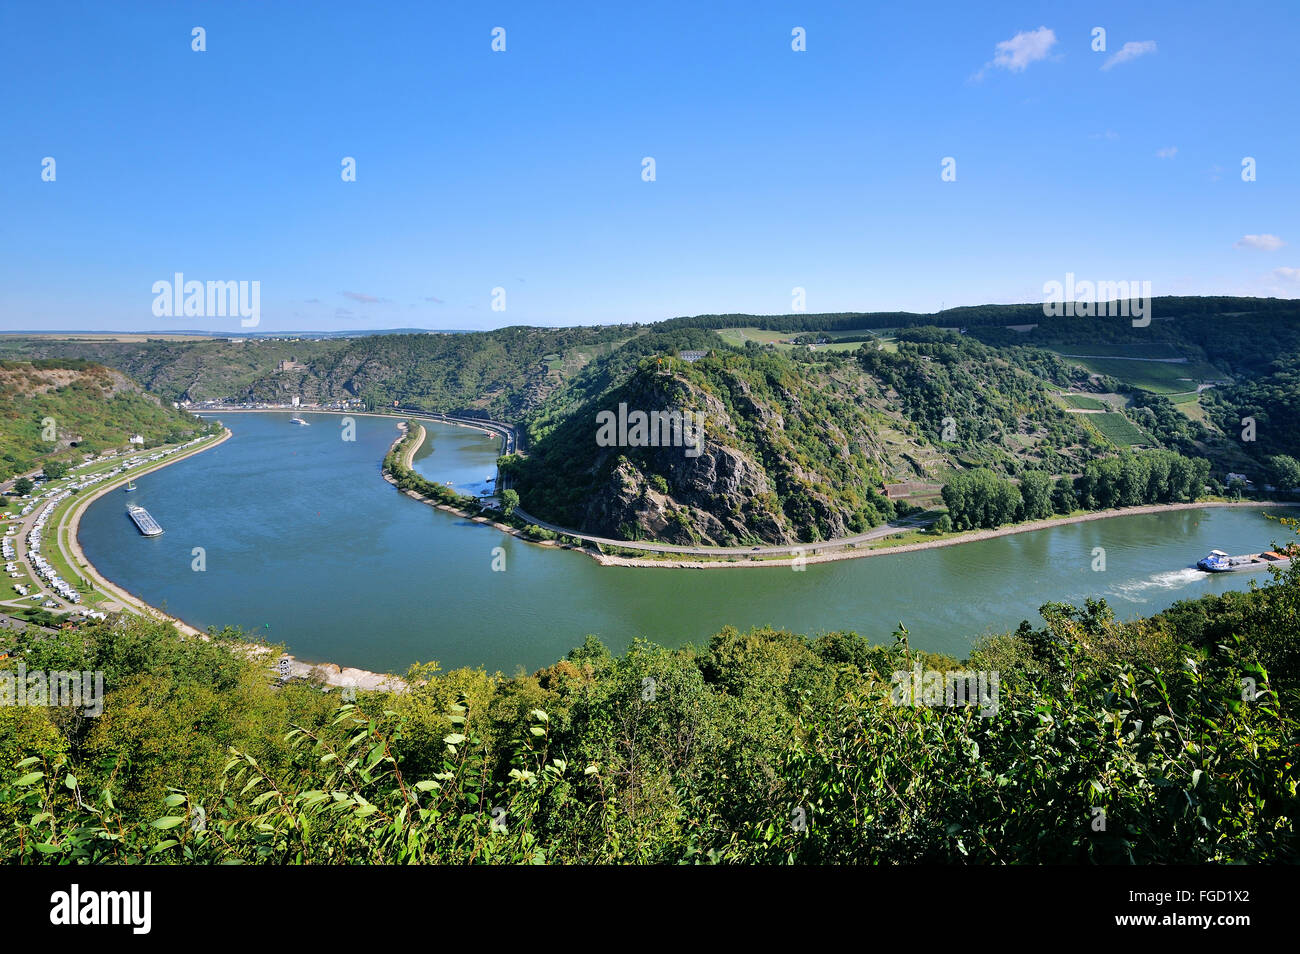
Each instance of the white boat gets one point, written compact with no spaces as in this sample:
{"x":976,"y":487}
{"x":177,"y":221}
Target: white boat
{"x":298,"y":420}
{"x":1216,"y":561}
{"x":144,"y":521}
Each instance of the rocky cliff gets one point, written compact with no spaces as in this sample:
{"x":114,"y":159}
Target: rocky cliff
{"x":784,"y":458}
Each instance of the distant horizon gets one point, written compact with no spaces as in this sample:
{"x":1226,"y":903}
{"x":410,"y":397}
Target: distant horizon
{"x":236,"y":332}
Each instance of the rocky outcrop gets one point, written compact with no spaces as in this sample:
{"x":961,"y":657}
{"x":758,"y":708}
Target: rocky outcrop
{"x":780,"y":462}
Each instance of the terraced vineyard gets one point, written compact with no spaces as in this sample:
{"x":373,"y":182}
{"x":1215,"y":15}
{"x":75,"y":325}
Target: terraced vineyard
{"x":1158,"y":377}
{"x":1118,"y":429}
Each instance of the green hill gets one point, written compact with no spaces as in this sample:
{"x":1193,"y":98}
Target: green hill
{"x":798,"y":443}
{"x":504,"y":372}
{"x":61,"y":409}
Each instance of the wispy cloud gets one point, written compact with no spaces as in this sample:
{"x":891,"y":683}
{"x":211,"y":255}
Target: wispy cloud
{"x":361,"y":297}
{"x":1262,"y":243}
{"x":1168,"y":152}
{"x":1130,"y":51}
{"x":1108,"y":134}
{"x":1289,"y":274}
{"x":1015,"y":54}
{"x":436,"y":301}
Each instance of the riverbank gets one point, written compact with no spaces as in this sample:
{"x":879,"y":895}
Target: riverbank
{"x":968,"y":537}
{"x":329,"y":673}
{"x":407,"y":461}
{"x":71,"y":521}
{"x":828,"y":551}
{"x":408,"y":456}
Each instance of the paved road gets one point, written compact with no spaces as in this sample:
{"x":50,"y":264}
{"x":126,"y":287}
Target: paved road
{"x":509,"y":433}
{"x":796,"y":549}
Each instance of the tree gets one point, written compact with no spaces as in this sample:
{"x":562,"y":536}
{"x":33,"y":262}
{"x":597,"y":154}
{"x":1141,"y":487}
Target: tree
{"x":1283,"y":471}
{"x":509,"y":501}
{"x":54,"y":469}
{"x":980,"y":498}
{"x":23,"y":486}
{"x":1036,"y":489}
{"x":1063,"y":496}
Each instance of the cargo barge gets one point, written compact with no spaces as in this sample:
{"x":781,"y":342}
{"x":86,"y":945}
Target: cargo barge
{"x":144,"y":522}
{"x":1219,"y":562}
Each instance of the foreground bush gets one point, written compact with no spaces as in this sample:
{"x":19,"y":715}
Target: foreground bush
{"x":1168,"y":740}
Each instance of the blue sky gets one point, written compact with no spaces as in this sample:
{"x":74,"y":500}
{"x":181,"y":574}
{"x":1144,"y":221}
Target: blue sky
{"x":522,"y":169}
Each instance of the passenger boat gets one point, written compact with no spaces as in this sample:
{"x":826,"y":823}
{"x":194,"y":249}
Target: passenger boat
{"x":1216,"y":561}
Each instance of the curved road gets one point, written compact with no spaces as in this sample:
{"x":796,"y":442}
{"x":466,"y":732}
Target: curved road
{"x":797,"y":549}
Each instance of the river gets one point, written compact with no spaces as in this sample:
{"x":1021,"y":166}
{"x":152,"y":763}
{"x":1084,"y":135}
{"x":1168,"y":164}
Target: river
{"x":303,"y":542}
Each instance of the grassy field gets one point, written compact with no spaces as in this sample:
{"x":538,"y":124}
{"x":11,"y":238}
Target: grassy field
{"x":738,"y":336}
{"x":1118,"y":429}
{"x":780,"y":339}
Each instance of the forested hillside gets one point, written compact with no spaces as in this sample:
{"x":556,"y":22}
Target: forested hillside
{"x":61,"y":409}
{"x":504,"y":372}
{"x":799,"y":443}
{"x":792,"y":451}
{"x":762,"y":746}
{"x":1209,"y":308}
{"x":1272,"y":400}
{"x":998,"y":403}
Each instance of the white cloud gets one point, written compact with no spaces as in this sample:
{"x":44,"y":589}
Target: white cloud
{"x":1290,"y":274}
{"x":1015,"y":54}
{"x":1168,"y":152}
{"x":1263,"y":243}
{"x":1130,"y":51}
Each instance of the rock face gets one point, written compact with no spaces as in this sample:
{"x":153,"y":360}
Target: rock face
{"x":705,"y":500}
{"x":779,"y":462}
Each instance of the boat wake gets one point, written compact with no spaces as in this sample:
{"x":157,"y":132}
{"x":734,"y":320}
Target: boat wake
{"x":1137,"y":590}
